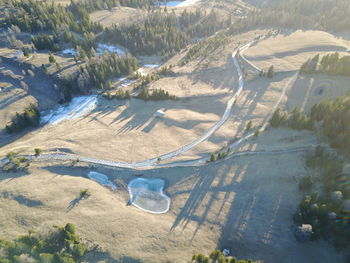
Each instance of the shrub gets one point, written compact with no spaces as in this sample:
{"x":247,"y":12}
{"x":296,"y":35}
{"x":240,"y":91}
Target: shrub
{"x":84,"y":194}
{"x":37,"y":151}
{"x":29,"y":118}
{"x":249,"y":126}
{"x":271,"y":72}
{"x":25,"y":52}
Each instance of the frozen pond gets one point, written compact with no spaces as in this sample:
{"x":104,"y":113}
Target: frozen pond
{"x":102,"y":179}
{"x":147,"y":195}
{"x":179,"y":3}
{"x":78,"y":107}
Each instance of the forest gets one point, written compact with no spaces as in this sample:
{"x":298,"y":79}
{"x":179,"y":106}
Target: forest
{"x":93,"y":5}
{"x":164,"y":33}
{"x":97,"y":72}
{"x":53,"y":25}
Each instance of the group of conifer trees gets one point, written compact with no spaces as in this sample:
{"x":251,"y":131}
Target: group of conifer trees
{"x":331,"y":64}
{"x":30,"y":117}
{"x":164,"y":33}
{"x":330,"y":117}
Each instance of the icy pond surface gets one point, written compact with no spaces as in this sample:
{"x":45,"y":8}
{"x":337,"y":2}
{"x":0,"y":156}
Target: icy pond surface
{"x":78,"y":107}
{"x":101,"y":179}
{"x":147,"y":195}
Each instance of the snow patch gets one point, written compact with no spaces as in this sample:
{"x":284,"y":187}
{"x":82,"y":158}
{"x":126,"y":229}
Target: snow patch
{"x":75,"y":109}
{"x":104,"y":48}
{"x":102,"y":179}
{"x":153,"y":66}
{"x":69,"y":51}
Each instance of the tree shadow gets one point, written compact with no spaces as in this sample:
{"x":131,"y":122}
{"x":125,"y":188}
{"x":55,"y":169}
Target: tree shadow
{"x":206,"y":188}
{"x":21,"y":199}
{"x":74,"y":203}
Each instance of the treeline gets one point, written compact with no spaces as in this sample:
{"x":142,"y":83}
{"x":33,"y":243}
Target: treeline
{"x":93,"y":5}
{"x":204,"y":48}
{"x":329,"y":117}
{"x":62,"y":245}
{"x":331,"y":64}
{"x":155,"y":95}
{"x":30,"y":117}
{"x":164,"y":33}
{"x":327,"y":15}
{"x":97,"y":72}
{"x":326,"y":208}
{"x":218,"y":257}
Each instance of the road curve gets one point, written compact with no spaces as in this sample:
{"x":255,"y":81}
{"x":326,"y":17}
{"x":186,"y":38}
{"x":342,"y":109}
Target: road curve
{"x":204,"y":137}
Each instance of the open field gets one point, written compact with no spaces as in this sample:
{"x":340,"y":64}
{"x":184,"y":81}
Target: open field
{"x":289,"y":50}
{"x":22,"y":84}
{"x":128,"y":131}
{"x":126,"y":15}
{"x":245,"y":204}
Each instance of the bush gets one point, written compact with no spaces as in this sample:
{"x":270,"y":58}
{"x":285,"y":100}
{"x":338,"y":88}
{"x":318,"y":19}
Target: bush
{"x":84,"y":194}
{"x":249,"y":126}
{"x":278,"y":119}
{"x":15,"y":163}
{"x":271,"y":72}
{"x":29,"y":118}
{"x":26,"y":52}
{"x":37,"y":151}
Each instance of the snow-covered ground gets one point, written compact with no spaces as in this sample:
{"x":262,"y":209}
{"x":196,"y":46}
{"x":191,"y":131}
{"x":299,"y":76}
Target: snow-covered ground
{"x":101,"y":49}
{"x":147,"y":195}
{"x":127,"y":82}
{"x":153,"y":66}
{"x":101,"y":179}
{"x":69,"y":51}
{"x":104,"y":48}
{"x":75,"y":109}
